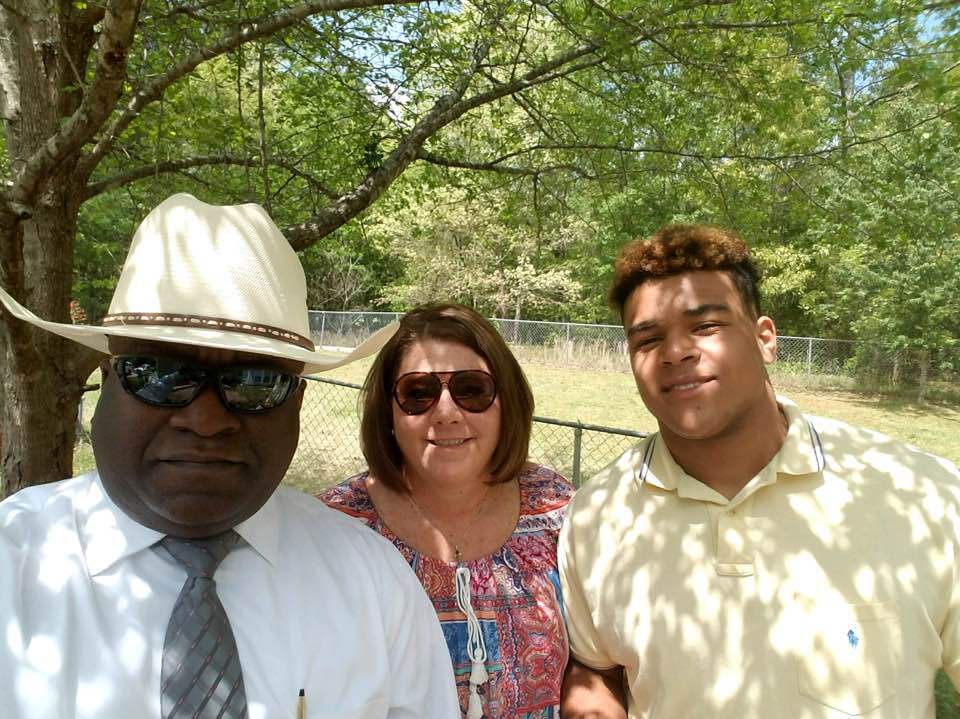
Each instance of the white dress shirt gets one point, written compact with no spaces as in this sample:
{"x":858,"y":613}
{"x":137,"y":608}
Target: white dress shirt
{"x":315,"y":599}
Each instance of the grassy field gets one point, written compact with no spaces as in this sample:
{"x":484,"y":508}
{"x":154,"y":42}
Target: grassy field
{"x":329,"y":451}
{"x":611,"y":399}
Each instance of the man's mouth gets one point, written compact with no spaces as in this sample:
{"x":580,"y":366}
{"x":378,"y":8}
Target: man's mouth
{"x":200,"y":460}
{"x":689,"y":385}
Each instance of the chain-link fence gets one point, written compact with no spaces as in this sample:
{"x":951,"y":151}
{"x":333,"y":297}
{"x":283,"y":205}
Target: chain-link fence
{"x":329,"y":449}
{"x":567,"y":344}
{"x":814,"y":356}
{"x":603,"y":347}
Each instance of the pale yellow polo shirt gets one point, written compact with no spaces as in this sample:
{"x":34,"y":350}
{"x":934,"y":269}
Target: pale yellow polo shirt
{"x":828,"y":587}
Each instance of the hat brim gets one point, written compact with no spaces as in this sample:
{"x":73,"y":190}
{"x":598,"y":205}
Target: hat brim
{"x":98,"y":338}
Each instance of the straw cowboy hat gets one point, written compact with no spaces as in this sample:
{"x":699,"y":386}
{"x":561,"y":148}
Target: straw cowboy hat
{"x":212,"y":276}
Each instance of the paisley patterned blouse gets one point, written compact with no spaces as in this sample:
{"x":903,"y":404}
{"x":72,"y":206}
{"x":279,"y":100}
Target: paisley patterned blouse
{"x":515,"y":593}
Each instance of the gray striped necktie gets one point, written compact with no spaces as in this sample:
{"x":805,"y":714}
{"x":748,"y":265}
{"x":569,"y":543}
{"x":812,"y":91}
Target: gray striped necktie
{"x":201,"y":676}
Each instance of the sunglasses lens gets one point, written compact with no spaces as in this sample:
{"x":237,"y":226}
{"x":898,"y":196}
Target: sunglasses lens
{"x":417,"y":392}
{"x":168,"y":382}
{"x":159,"y":380}
{"x":252,"y":389}
{"x":473,"y":390}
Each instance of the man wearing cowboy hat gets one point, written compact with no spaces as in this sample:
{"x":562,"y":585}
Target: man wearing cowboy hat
{"x":179,"y":579}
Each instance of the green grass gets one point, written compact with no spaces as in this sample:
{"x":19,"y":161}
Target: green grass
{"x":610,"y":398}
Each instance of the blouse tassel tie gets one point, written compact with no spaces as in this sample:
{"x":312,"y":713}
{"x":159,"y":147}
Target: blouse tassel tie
{"x":476,"y":647}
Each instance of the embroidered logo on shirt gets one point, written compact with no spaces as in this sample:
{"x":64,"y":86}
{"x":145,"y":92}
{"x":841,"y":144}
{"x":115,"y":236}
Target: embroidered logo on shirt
{"x":852,"y":638}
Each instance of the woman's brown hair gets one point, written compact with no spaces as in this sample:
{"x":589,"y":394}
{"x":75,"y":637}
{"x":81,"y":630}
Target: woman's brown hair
{"x":461,"y":325}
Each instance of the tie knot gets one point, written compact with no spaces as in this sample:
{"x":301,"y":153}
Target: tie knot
{"x":201,"y":557}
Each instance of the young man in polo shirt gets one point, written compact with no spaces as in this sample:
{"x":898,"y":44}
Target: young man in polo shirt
{"x":747,"y":560}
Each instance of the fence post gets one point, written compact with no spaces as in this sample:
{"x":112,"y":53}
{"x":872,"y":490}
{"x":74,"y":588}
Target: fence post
{"x":809,"y":355}
{"x":577,"y":439}
{"x":323,"y":325}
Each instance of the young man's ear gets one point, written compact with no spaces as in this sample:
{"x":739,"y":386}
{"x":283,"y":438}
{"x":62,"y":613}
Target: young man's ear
{"x":767,"y":339}
{"x":104,"y":369}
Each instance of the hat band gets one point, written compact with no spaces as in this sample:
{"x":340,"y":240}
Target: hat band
{"x":213,"y":323}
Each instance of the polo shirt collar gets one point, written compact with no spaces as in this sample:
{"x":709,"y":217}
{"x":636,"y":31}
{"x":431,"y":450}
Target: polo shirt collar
{"x":659,"y":468}
{"x":108,"y":534}
{"x":802,"y":450}
{"x":800,"y":454}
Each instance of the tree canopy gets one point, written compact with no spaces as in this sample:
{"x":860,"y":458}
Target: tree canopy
{"x":496,"y":153}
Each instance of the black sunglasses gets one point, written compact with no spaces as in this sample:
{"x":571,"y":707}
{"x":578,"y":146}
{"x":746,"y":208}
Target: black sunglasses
{"x":170,"y":382}
{"x":472,"y":389}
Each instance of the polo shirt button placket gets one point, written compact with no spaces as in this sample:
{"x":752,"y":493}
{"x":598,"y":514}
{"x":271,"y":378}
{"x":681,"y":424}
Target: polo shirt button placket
{"x":733,"y":558}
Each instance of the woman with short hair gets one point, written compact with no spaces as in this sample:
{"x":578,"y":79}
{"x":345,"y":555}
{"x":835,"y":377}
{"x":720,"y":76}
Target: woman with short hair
{"x":446,"y":428}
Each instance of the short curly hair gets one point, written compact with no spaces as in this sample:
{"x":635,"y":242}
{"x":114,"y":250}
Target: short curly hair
{"x":677,"y":249}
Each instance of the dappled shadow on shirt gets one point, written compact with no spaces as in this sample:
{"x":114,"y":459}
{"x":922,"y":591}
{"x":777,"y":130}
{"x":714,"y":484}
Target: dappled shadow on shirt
{"x":815,"y":594}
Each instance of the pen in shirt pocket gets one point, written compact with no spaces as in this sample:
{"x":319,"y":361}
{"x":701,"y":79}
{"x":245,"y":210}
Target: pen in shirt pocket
{"x":301,"y":705}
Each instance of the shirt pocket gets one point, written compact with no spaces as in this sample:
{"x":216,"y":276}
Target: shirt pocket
{"x":848,"y":655}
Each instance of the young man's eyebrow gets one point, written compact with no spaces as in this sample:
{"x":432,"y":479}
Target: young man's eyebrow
{"x":697,"y":311}
{"x":641,"y":327}
{"x":707,"y":307}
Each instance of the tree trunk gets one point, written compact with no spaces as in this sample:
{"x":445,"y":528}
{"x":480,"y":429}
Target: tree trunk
{"x":42,"y":373}
{"x":43,"y":59}
{"x":39,"y":424}
{"x":924,"y":374}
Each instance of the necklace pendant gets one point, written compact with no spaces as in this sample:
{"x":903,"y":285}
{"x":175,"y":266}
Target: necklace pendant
{"x":457,"y":554}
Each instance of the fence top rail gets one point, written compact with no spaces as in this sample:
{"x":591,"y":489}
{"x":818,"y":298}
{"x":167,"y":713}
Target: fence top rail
{"x":544,"y":420}
{"x":591,"y":427}
{"x":327,"y":380}
{"x":508,"y":320}
{"x":357,"y":312}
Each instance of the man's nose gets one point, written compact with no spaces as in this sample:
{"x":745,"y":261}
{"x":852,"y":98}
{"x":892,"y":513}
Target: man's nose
{"x":677,"y":349}
{"x":206,"y":415}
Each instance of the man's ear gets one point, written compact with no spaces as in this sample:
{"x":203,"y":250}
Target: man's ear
{"x":767,"y":339}
{"x":104,"y":369}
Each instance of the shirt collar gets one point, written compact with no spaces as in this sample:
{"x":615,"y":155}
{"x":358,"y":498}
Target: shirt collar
{"x":802,"y":451}
{"x":108,"y":534}
{"x":262,"y":530}
{"x":800,"y":454}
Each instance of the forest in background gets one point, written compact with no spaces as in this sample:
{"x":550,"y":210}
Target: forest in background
{"x":496,"y":153}
{"x":831,"y":145}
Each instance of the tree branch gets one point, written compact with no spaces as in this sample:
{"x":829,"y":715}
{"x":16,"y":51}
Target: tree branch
{"x":757,"y":157}
{"x":116,"y":35}
{"x":150,"y":170}
{"x":265,"y":27}
{"x":262,"y":133}
{"x":12,"y":9}
{"x":503,"y":169}
{"x":445,"y":110}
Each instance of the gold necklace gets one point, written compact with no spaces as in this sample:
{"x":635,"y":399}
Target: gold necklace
{"x":457,"y":554}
